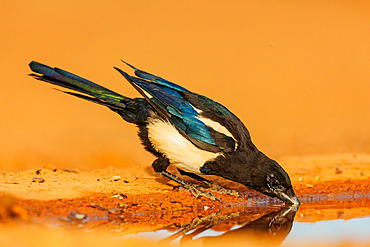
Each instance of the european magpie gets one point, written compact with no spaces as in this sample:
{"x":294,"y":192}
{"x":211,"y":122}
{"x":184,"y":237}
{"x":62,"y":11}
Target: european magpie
{"x":187,"y":130}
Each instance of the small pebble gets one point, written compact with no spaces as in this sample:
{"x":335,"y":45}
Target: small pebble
{"x":77,"y":216}
{"x":38,"y":172}
{"x":115,"y":178}
{"x":122,"y":205}
{"x":37,"y":179}
{"x":64,"y":219}
{"x":338,"y":171}
{"x":309,"y":185}
{"x":115,"y":211}
{"x":80,"y":216}
{"x":69,"y":170}
{"x":205,"y":208}
{"x":97,"y":206}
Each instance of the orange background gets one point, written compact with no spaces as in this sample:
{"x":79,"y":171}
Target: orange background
{"x":296,"y":73}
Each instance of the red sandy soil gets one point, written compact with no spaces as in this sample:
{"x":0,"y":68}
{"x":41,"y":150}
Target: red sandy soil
{"x":329,"y":187}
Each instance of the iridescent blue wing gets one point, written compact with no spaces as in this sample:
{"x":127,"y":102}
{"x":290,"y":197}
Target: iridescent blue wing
{"x":168,"y":100}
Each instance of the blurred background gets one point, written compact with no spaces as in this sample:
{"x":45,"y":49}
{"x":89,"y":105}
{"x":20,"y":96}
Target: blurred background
{"x":295,"y":72}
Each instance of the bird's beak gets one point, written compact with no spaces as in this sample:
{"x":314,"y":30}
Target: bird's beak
{"x":289,"y":197}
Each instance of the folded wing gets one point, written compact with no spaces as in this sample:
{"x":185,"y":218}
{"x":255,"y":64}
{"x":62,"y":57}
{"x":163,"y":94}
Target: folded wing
{"x":168,"y":99}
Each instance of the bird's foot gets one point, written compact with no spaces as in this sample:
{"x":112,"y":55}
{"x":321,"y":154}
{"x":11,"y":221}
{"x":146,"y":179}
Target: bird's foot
{"x":197,"y":191}
{"x":221,"y":190}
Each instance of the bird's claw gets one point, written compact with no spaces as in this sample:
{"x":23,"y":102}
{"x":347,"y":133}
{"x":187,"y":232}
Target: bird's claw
{"x":218,"y":189}
{"x":198,"y":191}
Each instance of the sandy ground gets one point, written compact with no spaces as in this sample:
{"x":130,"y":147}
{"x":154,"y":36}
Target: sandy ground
{"x":135,"y":199}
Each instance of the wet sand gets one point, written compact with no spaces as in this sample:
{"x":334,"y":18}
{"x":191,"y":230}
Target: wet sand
{"x":121,"y":201}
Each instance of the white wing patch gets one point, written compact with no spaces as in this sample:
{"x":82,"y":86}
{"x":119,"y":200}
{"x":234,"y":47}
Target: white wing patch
{"x":196,"y":109}
{"x":180,"y":151}
{"x":145,"y":92}
{"x":215,"y":125}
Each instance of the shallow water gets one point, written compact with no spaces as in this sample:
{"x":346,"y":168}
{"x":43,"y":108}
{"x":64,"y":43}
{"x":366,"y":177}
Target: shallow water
{"x":355,"y":231}
{"x":333,"y":232}
{"x":320,"y":220}
{"x":277,"y":226}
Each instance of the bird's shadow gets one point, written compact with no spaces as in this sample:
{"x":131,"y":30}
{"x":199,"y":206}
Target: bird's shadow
{"x":269,"y":229}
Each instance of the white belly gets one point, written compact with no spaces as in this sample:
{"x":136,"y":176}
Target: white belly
{"x":180,"y":152}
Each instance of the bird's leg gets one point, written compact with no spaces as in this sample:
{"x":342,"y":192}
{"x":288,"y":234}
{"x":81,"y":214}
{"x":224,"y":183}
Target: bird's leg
{"x":190,"y":187}
{"x":212,"y":186}
{"x":160,"y":165}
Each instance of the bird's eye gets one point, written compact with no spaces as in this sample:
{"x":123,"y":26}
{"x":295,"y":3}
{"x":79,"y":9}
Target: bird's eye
{"x":273,"y":183}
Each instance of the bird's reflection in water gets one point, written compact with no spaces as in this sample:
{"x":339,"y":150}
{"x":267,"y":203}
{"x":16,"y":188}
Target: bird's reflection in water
{"x":269,"y":229}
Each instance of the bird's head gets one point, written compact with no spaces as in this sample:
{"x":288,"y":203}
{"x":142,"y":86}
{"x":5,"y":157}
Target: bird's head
{"x":269,"y":178}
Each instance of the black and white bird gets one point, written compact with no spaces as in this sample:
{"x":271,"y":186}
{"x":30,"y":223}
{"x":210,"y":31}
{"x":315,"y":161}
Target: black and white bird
{"x":187,"y":130}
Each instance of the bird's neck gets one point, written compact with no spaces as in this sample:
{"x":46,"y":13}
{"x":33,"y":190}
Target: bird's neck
{"x":236,"y":166}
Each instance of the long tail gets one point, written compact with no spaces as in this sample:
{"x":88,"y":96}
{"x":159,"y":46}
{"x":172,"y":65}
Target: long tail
{"x":86,"y":89}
